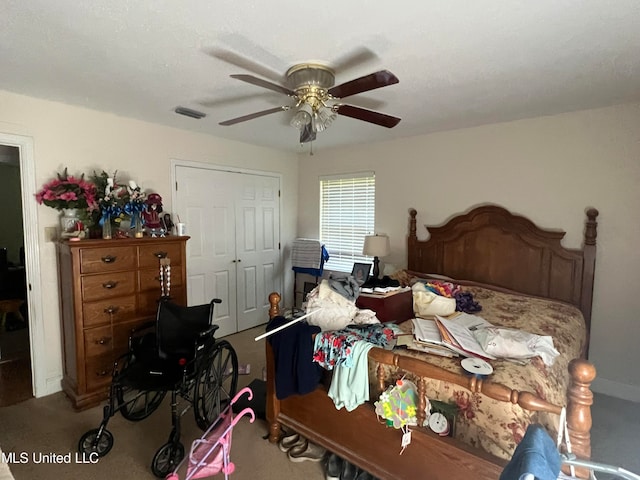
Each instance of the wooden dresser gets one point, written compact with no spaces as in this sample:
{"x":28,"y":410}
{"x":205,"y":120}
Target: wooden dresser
{"x":108,"y":287}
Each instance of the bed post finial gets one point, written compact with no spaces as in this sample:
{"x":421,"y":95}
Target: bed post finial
{"x":591,"y":231}
{"x":274,"y":304}
{"x":412,"y":223}
{"x":589,"y":268}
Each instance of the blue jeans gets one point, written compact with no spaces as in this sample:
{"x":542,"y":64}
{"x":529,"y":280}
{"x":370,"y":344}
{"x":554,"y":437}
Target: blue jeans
{"x":536,"y":454}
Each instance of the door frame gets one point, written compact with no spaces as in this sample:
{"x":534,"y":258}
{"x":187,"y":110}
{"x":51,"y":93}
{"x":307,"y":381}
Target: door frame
{"x":31,"y":228}
{"x":227,"y":168}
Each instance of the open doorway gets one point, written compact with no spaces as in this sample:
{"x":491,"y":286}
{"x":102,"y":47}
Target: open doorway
{"x":43,"y":383}
{"x":15,"y":353}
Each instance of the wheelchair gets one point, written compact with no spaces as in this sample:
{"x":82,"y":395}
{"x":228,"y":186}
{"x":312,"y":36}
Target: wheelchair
{"x":182,"y":356}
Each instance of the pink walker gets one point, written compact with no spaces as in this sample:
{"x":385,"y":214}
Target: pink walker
{"x":210,"y":453}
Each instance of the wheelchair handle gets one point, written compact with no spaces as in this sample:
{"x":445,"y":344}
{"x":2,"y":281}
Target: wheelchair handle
{"x":110,"y":284}
{"x":108,"y":259}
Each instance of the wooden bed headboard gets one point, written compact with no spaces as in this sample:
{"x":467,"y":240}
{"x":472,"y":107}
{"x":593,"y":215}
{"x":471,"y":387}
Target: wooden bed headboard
{"x":491,"y":245}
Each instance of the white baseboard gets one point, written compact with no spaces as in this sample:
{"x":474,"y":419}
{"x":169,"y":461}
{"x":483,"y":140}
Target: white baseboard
{"x":616,"y":389}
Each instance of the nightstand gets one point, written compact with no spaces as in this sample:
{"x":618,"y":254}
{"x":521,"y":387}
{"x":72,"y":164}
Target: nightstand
{"x":392,"y":307}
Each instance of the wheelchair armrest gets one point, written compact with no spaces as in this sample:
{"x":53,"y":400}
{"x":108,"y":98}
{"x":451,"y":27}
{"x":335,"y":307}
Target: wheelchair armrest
{"x":209,"y":331}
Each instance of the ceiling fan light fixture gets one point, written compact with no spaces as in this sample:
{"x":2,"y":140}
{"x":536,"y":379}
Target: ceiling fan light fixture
{"x":323,"y":118}
{"x":302,"y":116}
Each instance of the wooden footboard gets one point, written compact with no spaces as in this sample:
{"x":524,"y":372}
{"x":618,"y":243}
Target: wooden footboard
{"x":360,"y":438}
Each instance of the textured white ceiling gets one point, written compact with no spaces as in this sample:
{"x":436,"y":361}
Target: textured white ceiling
{"x":460,"y":63}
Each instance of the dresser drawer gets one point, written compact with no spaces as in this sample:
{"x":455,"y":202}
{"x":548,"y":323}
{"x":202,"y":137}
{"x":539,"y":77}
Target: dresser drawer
{"x":149,"y":279}
{"x":107,"y":259}
{"x":98,"y":371}
{"x":150,"y":255}
{"x":110,"y":285}
{"x":102,"y":312}
{"x":98,"y":341}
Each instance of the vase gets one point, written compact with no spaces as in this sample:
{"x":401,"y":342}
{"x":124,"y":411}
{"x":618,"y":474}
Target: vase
{"x":136,"y":225}
{"x":106,"y":228}
{"x":70,"y":224}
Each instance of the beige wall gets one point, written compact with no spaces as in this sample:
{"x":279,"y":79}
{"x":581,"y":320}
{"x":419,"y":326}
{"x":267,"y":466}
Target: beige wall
{"x":548,"y":169}
{"x":85,"y":140}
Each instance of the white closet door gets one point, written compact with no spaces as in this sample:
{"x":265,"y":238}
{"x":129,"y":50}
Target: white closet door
{"x":233,"y":253}
{"x":257,"y":247}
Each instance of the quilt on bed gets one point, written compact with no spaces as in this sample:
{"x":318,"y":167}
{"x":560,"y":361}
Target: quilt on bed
{"x":497,"y":427}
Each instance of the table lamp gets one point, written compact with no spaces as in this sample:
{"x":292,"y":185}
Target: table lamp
{"x":376,"y":246}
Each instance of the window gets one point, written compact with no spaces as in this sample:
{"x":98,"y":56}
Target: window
{"x":347,"y":212}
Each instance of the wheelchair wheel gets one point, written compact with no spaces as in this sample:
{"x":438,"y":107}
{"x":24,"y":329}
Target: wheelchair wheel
{"x":135,"y":404}
{"x":167,"y":459}
{"x":102,"y":446}
{"x":216,"y":384}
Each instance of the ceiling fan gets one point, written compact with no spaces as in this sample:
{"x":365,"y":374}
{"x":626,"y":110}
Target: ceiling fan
{"x":317,"y":100}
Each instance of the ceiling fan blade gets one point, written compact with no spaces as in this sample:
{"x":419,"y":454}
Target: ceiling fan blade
{"x":352,"y":59}
{"x":367,"y":115}
{"x":245,"y":63}
{"x":307,"y":134}
{"x":263,"y":83}
{"x":364,"y":84}
{"x":251,"y":116}
{"x":270,"y":97}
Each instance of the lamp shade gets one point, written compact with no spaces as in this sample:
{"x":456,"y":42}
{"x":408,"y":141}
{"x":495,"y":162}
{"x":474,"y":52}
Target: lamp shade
{"x":376,"y":246}
{"x":302,"y":116}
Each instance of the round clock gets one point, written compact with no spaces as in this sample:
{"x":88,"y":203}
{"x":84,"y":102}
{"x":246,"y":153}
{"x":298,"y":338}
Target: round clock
{"x":439,"y":423}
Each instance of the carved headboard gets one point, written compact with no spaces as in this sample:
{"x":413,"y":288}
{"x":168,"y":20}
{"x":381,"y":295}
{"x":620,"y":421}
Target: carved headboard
{"x":491,"y":245}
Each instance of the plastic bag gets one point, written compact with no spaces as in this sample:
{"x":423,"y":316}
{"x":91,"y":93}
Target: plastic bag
{"x":517,"y":344}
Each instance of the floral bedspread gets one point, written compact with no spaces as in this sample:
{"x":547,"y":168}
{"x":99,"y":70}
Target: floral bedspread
{"x":497,"y":427}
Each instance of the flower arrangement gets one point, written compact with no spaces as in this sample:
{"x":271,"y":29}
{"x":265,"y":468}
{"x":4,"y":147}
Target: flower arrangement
{"x":118,"y":202}
{"x":135,"y":207}
{"x":112,"y":197}
{"x":66,"y":191}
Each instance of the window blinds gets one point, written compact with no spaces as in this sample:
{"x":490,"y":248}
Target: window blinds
{"x":347,"y":212}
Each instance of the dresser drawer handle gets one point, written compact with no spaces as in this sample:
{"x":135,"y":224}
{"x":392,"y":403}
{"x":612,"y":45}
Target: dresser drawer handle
{"x":108,"y":259}
{"x":103,"y":340}
{"x":111,"y":309}
{"x":161,"y":254}
{"x":110,"y":284}
{"x":102,"y":373}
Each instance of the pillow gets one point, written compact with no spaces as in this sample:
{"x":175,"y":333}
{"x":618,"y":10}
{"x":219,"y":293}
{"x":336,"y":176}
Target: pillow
{"x":427,"y":304}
